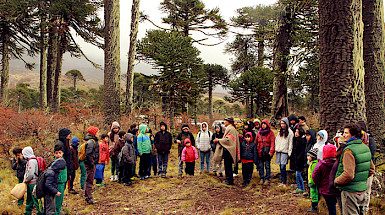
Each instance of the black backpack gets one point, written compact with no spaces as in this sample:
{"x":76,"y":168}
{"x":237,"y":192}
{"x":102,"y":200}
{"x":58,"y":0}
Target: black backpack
{"x":38,"y":190}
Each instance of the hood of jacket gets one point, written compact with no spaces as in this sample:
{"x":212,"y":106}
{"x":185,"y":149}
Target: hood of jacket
{"x":207,"y":127}
{"x":313,"y":135}
{"x":58,"y":165}
{"x":142,"y":128}
{"x":89,"y":137}
{"x":184,"y":125}
{"x":293,"y":117}
{"x":286,"y":120}
{"x":220,"y":128}
{"x":251,"y":135}
{"x":127,"y":138}
{"x":325,"y":138}
{"x":328,"y":162}
{"x":115,"y":125}
{"x":75,"y":141}
{"x":187,"y":140}
{"x":63,"y":133}
{"x":163,"y":123}
{"x":251,"y":126}
{"x":28,"y":152}
{"x":266,"y":122}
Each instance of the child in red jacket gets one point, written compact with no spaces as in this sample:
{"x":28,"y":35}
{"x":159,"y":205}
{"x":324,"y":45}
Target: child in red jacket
{"x":189,"y":155}
{"x":104,"y":158}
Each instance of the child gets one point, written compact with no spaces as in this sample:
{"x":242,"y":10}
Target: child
{"x":116,"y":150}
{"x":114,"y":138}
{"x":51,"y":185}
{"x":144,"y":150}
{"x":75,"y":163}
{"x":248,"y":157}
{"x":189,"y":155}
{"x":297,"y":161}
{"x":203,"y":145}
{"x":104,"y":158}
{"x":321,"y":175}
{"x":283,"y":148}
{"x":30,"y":178}
{"x":18,"y":164}
{"x":322,"y":137}
{"x":128,"y":159}
{"x":219,"y":135}
{"x":62,"y":178}
{"x":92,"y":158}
{"x":312,"y":158}
{"x":154,"y":154}
{"x":163,"y":143}
{"x":266,"y":146}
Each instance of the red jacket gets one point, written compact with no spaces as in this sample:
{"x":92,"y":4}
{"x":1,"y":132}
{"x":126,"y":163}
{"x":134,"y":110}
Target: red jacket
{"x":189,"y":154}
{"x":104,"y":152}
{"x":266,"y":140}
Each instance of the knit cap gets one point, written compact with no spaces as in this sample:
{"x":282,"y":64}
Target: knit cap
{"x":115,"y":125}
{"x":329,"y":151}
{"x":92,"y":130}
{"x":313,"y":153}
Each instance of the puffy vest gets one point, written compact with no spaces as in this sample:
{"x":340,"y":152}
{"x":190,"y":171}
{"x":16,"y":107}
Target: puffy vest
{"x":362,"y":157}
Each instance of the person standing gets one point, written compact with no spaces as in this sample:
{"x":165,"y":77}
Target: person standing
{"x":114,"y":139}
{"x":283,"y":148}
{"x":18,"y":164}
{"x":218,"y":134}
{"x":75,"y":163}
{"x":163,"y":143}
{"x":185,"y":133}
{"x":228,"y":147}
{"x":297,"y":160}
{"x":265,"y":142}
{"x":248,"y":157}
{"x":92,"y":158}
{"x":203,"y":145}
{"x":144,"y":149}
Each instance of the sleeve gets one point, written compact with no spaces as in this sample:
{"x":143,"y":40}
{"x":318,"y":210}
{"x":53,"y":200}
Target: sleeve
{"x":29,"y":171}
{"x":272,"y":143}
{"x":156,"y":140}
{"x":49,"y":183}
{"x":14,"y":164}
{"x":170,"y":142}
{"x":192,"y":139}
{"x":198,"y":140}
{"x":372,"y":169}
{"x":139,"y":147}
{"x":183,"y":158}
{"x":108,"y":153}
{"x":291,"y":136}
{"x":196,"y":153}
{"x":372,"y":147}
{"x":178,"y":137}
{"x":349,"y":163}
{"x":316,"y":176}
{"x":89,"y":149}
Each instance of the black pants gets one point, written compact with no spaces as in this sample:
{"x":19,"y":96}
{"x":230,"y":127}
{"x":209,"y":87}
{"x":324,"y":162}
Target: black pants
{"x":228,"y":162}
{"x":49,"y":205}
{"x":190,"y":168}
{"x":144,"y":163}
{"x":125,"y":173}
{"x":331,"y":202}
{"x":247,"y":171}
{"x":72,"y":179}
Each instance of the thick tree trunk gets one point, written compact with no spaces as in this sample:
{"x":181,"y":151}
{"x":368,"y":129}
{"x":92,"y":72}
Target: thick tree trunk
{"x":51,"y":61}
{"x":43,"y":56}
{"x":247,"y":106}
{"x":4,"y":81}
{"x":283,"y":43}
{"x":172,"y":110}
{"x":211,"y":114}
{"x":261,"y":56}
{"x":131,"y":55}
{"x":57,"y":79}
{"x":111,"y":107}
{"x":251,"y":106}
{"x":374,"y":50}
{"x":75,"y":84}
{"x":342,"y":98}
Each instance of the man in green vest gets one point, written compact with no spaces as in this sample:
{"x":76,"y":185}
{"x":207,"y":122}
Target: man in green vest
{"x":354,"y":168}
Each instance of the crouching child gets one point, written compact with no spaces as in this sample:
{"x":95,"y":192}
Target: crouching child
{"x":51,"y":185}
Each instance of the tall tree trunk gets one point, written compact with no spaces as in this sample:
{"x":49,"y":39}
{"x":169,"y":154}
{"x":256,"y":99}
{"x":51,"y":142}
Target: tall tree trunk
{"x":251,"y":106}
{"x":211,"y":114}
{"x":4,"y":81}
{"x":283,"y":43}
{"x":111,"y":111}
{"x":247,"y":106}
{"x":51,"y":61}
{"x":172,"y":110}
{"x":43,"y":55}
{"x":261,"y":56}
{"x":131,"y":54}
{"x":75,"y":84}
{"x":374,"y":50}
{"x":57,"y":80}
{"x":341,"y":48}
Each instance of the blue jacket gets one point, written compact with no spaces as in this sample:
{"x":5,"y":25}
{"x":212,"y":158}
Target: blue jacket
{"x":52,"y":176}
{"x":249,"y":151}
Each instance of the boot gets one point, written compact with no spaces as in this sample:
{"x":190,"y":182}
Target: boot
{"x":314,"y":208}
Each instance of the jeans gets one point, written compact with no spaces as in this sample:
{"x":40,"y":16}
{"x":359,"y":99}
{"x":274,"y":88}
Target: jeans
{"x":154,"y":165}
{"x":331,"y":202}
{"x":264,"y":165}
{"x":203,"y":156}
{"x":299,"y":179}
{"x":283,"y":174}
{"x":190,"y":167}
{"x":162,"y":161}
{"x":144,"y":163}
{"x":180,"y":166}
{"x":114,"y":165}
{"x":83,"y":174}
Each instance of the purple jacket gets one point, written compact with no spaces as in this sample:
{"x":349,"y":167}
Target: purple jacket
{"x":321,"y":176}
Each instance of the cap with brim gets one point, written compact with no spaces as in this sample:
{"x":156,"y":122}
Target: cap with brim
{"x":229,"y":119}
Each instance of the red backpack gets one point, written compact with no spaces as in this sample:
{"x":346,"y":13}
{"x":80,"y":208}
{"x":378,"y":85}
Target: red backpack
{"x":41,"y":163}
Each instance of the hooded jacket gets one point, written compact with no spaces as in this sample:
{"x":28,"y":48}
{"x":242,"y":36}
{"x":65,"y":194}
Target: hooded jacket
{"x":267,"y":140}
{"x":284,"y":144}
{"x":190,"y":153}
{"x":218,"y":135}
{"x":249,"y":150}
{"x":104,"y":154}
{"x":290,"y":118}
{"x":203,"y":139}
{"x":52,"y":176}
{"x":182,"y":136}
{"x":321,"y":176}
{"x":74,"y":151}
{"x":62,"y":142}
{"x":32,"y":167}
{"x":128,"y":151}
{"x":19,"y":167}
{"x":144,"y":141}
{"x":163,"y":141}
{"x":320,"y":144}
{"x":313,"y":139}
{"x":114,"y":138}
{"x":298,"y":155}
{"x":92,"y":150}
{"x":249,"y":129}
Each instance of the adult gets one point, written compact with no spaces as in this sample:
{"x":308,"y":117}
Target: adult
{"x":322,"y":137}
{"x":92,"y":158}
{"x":203,"y":145}
{"x":185,"y":133}
{"x":283,"y":148}
{"x":218,"y":134}
{"x":354,"y":168}
{"x":228,"y":149}
{"x":302,"y":123}
{"x":293,"y":121}
{"x":297,"y":161}
{"x":163,"y":143}
{"x":265,"y":142}
{"x":114,"y":139}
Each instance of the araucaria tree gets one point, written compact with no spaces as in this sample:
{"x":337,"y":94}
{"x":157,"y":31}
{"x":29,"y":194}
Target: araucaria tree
{"x":342,"y":98}
{"x":177,"y":60}
{"x":75,"y":75}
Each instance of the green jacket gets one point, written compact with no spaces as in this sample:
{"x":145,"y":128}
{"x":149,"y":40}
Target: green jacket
{"x":362,"y":157}
{"x":310,"y":171}
{"x":144,"y":141}
{"x":63,"y":176}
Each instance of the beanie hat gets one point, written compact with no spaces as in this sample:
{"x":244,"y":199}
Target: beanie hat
{"x":313,"y":153}
{"x":256,"y":121}
{"x":92,"y":130}
{"x":115,"y":125}
{"x":329,"y":151}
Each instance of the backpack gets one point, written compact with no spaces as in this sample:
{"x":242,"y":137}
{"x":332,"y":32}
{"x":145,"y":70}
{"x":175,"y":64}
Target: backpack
{"x":38,"y":189}
{"x":120,"y":155}
{"x":82,"y":151}
{"x":41,"y":165}
{"x":199,"y":135}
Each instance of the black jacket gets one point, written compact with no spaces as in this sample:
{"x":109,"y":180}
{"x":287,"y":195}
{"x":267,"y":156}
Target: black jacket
{"x":19,"y":167}
{"x":298,"y":155}
{"x":52,"y":176}
{"x":218,"y":135}
{"x":163,"y":141}
{"x":182,"y":136}
{"x":63,"y":133}
{"x":249,"y":151}
{"x":92,"y":150}
{"x":372,"y":147}
{"x":312,"y":141}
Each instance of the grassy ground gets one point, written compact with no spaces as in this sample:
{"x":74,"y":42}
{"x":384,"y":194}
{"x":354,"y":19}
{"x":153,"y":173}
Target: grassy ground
{"x":199,"y":194}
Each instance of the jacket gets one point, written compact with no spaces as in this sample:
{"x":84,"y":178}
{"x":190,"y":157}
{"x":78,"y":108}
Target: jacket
{"x":284,"y":144}
{"x":52,"y":176}
{"x":311,"y":168}
{"x":118,"y":145}
{"x":320,"y":144}
{"x":267,"y":140}
{"x":189,"y":154}
{"x":19,"y":167}
{"x":249,"y":149}
{"x":144,"y":141}
{"x":74,"y":149}
{"x":297,"y":159}
{"x":203,"y":139}
{"x":63,"y":133}
{"x":163,"y":141}
{"x":313,"y":140}
{"x":104,"y":154}
{"x":182,"y":136}
{"x":92,"y":150}
{"x":218,"y":135}
{"x":32,"y":167}
{"x":321,"y":176}
{"x":128,"y":151}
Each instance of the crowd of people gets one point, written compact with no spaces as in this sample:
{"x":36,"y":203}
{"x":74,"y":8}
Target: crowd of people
{"x":339,"y":170}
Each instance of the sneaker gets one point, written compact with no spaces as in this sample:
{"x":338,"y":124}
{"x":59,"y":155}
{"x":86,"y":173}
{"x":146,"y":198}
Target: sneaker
{"x":235,"y":175}
{"x":127,"y":184}
{"x":282,"y":185}
{"x":147,"y":176}
{"x":112,"y":178}
{"x":163,"y":175}
{"x":90,"y":201}
{"x":133,"y":178}
{"x":73,"y":192}
{"x":116,"y":178}
{"x":299,"y":191}
{"x":100,"y":185}
{"x":141,"y":178}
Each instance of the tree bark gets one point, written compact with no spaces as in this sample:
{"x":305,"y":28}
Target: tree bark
{"x":342,"y":98}
{"x":43,"y":55}
{"x":131,"y":54}
{"x":261,"y":56}
{"x":283,"y":43}
{"x":58,"y":66}
{"x":211,"y":114}
{"x":51,"y":61}
{"x":374,"y":50}
{"x":4,"y":82}
{"x":111,"y":107}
